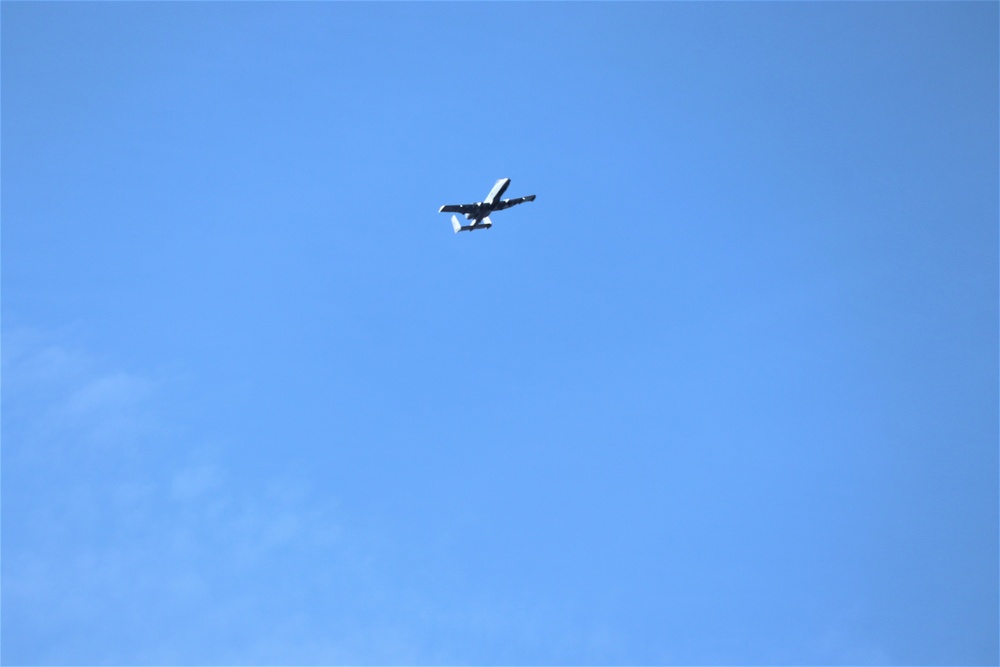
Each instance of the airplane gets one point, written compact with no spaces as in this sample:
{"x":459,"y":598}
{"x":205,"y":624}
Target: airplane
{"x":479,"y":212}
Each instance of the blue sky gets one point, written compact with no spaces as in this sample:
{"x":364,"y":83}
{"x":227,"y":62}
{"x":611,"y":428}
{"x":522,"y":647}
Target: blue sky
{"x":726,"y":393}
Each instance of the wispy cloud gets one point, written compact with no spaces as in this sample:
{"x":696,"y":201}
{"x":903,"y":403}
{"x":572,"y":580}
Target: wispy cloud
{"x":57,"y":393}
{"x":130,"y":538}
{"x":125,"y":540}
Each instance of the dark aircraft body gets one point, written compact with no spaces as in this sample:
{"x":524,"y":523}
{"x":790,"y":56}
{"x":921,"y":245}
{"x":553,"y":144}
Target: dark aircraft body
{"x":479,"y":212}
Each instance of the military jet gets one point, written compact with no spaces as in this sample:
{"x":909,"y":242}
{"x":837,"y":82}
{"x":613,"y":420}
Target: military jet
{"x":479,"y":212}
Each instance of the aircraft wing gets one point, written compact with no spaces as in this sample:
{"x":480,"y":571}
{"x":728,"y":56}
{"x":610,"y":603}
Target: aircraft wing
{"x":507,"y":203}
{"x":457,"y":208}
{"x":493,"y":198}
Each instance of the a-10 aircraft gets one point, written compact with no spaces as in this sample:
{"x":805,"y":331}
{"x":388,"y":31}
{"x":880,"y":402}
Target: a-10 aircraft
{"x":479,"y":213}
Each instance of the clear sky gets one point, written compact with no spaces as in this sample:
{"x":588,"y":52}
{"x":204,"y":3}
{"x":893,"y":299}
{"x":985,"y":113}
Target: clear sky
{"x":726,"y":393}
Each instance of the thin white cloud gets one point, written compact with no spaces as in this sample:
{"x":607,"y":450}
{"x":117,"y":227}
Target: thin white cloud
{"x":194,"y":482}
{"x":127,"y":542}
{"x":57,"y":393}
{"x":115,"y":527}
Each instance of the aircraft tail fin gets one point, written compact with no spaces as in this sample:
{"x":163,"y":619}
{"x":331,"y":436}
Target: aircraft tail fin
{"x":485,"y":223}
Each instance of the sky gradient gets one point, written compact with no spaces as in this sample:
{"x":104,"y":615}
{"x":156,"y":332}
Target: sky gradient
{"x":725,"y":393}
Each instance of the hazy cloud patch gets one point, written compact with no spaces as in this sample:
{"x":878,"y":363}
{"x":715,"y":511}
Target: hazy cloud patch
{"x":110,"y":512}
{"x":54,"y":393}
{"x":131,"y":537}
{"x":191,"y":483}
